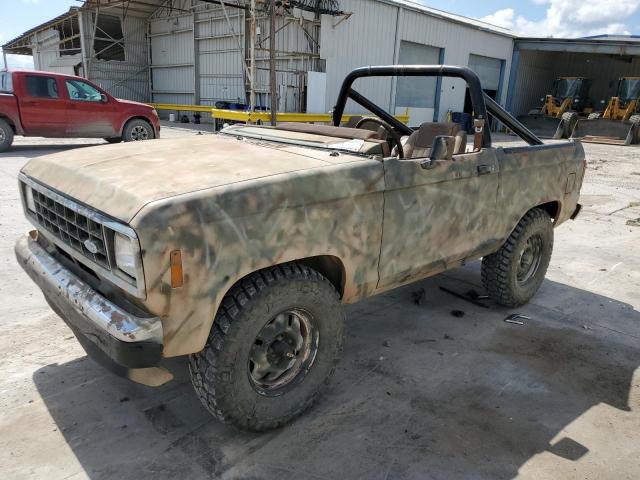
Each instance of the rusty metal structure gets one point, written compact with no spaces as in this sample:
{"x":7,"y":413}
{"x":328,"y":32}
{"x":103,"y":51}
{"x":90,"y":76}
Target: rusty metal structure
{"x":186,"y":51}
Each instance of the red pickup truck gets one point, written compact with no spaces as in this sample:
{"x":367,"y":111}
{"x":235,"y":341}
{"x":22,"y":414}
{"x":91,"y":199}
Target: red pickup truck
{"x":45,"y":104}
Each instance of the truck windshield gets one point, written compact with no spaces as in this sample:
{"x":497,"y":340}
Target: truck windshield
{"x":629,"y":89}
{"x":567,"y":87}
{"x":6,"y":85}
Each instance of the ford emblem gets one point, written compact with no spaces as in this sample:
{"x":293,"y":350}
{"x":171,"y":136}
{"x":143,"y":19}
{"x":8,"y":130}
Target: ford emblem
{"x":91,"y":246}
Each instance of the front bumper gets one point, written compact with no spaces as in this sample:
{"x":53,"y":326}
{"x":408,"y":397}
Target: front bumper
{"x":116,"y":338}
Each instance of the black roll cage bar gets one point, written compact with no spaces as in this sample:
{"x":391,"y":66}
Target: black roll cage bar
{"x":482,"y":103}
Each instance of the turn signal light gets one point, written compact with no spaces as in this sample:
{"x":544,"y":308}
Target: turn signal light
{"x":175,"y":259}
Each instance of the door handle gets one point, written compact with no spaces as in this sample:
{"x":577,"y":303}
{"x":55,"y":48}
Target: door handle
{"x":485,"y":169}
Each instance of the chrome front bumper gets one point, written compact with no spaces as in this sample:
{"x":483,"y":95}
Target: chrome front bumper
{"x":108,"y":333}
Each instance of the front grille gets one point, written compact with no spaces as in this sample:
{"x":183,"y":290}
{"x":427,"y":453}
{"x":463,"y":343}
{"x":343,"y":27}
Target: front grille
{"x":83,"y":233}
{"x":72,"y":228}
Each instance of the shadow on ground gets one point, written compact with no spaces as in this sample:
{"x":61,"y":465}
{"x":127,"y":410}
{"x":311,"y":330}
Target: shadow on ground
{"x":33,"y":150}
{"x":420,"y":393}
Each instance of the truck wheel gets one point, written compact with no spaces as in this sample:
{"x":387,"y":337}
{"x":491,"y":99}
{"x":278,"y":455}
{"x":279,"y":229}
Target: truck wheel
{"x":114,"y":140}
{"x":136,"y":130}
{"x":6,"y":136}
{"x":275,"y":342}
{"x":513,"y":274}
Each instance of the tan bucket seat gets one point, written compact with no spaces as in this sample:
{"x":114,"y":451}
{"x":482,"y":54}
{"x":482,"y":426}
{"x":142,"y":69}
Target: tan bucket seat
{"x":418,"y":144}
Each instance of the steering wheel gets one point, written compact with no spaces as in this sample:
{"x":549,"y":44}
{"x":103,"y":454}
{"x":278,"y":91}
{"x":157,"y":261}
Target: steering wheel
{"x":394,"y":135}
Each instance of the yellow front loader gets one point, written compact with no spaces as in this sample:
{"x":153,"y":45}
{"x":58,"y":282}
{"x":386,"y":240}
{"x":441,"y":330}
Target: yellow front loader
{"x":558,"y":115}
{"x":619,"y":123}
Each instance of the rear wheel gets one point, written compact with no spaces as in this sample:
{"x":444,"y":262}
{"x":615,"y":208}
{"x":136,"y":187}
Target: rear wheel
{"x":513,"y":274}
{"x":6,"y":136}
{"x":274,"y":344}
{"x":137,"y":130}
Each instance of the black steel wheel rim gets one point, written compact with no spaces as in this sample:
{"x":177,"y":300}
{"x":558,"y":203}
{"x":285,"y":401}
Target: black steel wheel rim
{"x":530,"y":259}
{"x":283,"y":352}
{"x":139,"y":133}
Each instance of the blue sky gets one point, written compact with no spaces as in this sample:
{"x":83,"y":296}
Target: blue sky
{"x":559,"y":18}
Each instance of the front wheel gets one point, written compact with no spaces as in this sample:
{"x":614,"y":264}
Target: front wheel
{"x":275,"y":342}
{"x":513,"y":274}
{"x":137,"y":130}
{"x":6,"y":136}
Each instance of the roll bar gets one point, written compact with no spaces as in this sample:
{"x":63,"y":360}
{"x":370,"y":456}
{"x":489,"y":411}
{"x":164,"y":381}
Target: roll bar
{"x":481,"y":102}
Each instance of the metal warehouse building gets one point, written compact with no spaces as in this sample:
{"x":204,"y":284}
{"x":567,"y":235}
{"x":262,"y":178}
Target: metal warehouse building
{"x":202,"y":52}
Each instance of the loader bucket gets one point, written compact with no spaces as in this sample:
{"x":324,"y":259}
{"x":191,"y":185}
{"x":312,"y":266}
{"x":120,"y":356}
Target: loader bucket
{"x":542,"y":125}
{"x":604,"y":130}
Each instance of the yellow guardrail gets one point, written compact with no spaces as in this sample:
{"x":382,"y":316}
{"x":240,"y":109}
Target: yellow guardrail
{"x":265,"y":117}
{"x":183,"y":108}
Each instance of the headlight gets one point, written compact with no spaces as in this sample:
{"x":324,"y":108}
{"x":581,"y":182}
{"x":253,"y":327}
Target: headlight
{"x":125,"y":253}
{"x":28,"y":195}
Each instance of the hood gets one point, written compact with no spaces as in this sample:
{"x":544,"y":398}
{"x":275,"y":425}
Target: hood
{"x":120,"y":179}
{"x":137,"y":104}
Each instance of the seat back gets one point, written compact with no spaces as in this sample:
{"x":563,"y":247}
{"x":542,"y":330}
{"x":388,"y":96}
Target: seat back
{"x":418,"y":144}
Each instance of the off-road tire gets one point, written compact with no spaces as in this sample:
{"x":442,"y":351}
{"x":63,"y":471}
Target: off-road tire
{"x":113,"y":140}
{"x":500,"y":270}
{"x":567,"y":125}
{"x":137,"y":130}
{"x":6,"y":136}
{"x":220,"y":372}
{"x":635,"y":124}
{"x":593,"y":116}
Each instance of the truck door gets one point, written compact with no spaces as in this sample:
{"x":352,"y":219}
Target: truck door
{"x":91,"y":114}
{"x":437,"y":217}
{"x":43,"y":110}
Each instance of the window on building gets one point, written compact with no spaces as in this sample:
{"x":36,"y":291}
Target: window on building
{"x":42,"y":87}
{"x":69,"y":35}
{"x":79,"y":90}
{"x":108,"y":43}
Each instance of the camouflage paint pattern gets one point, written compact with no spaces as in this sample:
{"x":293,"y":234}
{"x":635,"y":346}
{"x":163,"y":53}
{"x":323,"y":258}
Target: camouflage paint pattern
{"x":234,"y":206}
{"x":437,"y":219}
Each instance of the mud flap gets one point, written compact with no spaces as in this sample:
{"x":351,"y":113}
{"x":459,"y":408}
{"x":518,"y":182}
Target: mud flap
{"x":542,"y":125}
{"x":604,"y":130}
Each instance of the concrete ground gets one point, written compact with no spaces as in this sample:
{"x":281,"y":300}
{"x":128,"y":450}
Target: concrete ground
{"x":420,"y":393}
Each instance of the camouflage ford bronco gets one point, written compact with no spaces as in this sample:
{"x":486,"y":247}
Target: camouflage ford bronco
{"x":239,"y":249}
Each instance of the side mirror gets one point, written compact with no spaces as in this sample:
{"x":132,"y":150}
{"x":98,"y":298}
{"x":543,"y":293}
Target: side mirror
{"x":442,"y":149}
{"x":103,"y":98}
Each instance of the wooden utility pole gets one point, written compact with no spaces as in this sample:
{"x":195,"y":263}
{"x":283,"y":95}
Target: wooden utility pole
{"x":272,"y":63}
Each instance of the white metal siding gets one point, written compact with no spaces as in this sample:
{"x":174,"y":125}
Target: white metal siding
{"x":371,"y":36}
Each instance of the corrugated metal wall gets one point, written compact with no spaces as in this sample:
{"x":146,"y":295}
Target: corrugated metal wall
{"x":214,"y":57}
{"x":172,"y":59}
{"x":128,"y":79}
{"x":538,"y":70}
{"x":373,"y":33}
{"x":123,"y":79}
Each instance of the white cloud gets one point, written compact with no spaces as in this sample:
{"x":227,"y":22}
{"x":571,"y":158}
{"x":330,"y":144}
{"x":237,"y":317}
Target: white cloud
{"x":502,"y":18}
{"x":570,"y":18}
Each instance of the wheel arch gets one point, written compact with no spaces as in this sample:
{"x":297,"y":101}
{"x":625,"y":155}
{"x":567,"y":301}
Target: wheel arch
{"x":11,"y":123}
{"x":553,"y":208}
